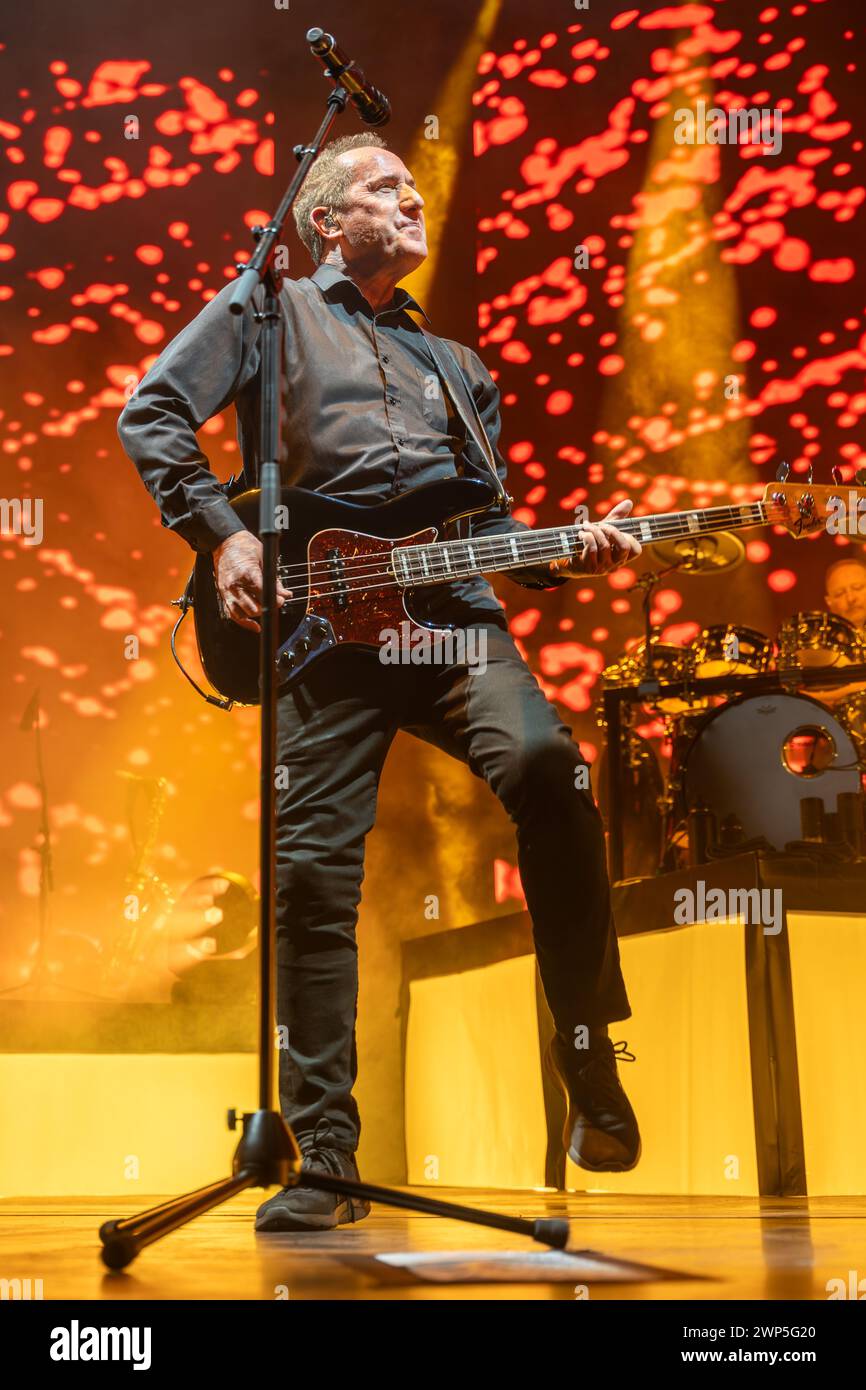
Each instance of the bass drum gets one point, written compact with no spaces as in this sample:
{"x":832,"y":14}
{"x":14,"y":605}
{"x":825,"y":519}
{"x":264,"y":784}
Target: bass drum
{"x":759,"y":756}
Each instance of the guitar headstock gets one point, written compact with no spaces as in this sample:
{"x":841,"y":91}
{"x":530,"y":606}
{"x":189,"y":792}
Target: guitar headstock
{"x":805,"y":508}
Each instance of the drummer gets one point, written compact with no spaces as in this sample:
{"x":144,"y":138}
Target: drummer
{"x":845,"y":595}
{"x":845,"y":591}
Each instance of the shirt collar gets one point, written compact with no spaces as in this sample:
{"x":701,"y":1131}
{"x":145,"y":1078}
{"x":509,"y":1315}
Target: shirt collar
{"x":328,"y":276}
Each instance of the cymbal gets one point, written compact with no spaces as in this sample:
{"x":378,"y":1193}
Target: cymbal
{"x":707,"y":554}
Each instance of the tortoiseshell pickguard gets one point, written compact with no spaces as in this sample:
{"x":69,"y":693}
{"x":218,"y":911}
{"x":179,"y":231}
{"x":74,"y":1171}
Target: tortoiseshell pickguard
{"x":359,"y":611}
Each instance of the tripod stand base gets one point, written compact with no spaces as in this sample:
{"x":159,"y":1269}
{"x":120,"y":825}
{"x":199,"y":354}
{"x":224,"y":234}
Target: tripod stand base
{"x":267,"y":1154}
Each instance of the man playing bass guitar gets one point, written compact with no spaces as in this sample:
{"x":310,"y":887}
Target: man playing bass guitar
{"x":359,"y":423}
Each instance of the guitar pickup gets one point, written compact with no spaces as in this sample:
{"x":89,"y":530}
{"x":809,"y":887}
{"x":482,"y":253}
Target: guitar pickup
{"x":337,"y":578}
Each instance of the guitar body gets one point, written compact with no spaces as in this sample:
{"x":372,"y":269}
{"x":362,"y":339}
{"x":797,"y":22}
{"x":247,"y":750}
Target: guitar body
{"x":338,"y":558}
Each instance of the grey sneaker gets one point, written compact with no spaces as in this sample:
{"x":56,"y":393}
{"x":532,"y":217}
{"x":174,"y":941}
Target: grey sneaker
{"x":306,"y":1208}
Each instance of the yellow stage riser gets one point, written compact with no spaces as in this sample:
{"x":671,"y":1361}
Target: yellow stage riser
{"x":91,"y":1125}
{"x":828,"y":969}
{"x":474,"y":1112}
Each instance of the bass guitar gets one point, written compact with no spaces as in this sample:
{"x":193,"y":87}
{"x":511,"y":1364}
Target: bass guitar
{"x":353,"y":569}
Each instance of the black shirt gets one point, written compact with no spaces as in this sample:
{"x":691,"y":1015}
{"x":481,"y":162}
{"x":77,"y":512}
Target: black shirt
{"x":364,"y":415}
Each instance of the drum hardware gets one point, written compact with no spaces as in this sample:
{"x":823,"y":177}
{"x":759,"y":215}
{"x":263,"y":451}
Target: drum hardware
{"x":790,"y":679}
{"x":787,"y":648}
{"x":640,"y":786}
{"x":650,"y":670}
{"x":650,"y":663}
{"x":731,"y":648}
{"x":150,"y":898}
{"x":832,"y":829}
{"x":702,"y":833}
{"x":812,"y":818}
{"x":731,"y":833}
{"x":58,"y":963}
{"x":758,"y":844}
{"x":215,"y":917}
{"x":852,"y":713}
{"x":648,"y":581}
{"x":850,"y":811}
{"x":820,"y":639}
{"x":842,"y":827}
{"x":215,"y":944}
{"x":829,"y":836}
{"x":822,"y":854}
{"x":808,"y":751}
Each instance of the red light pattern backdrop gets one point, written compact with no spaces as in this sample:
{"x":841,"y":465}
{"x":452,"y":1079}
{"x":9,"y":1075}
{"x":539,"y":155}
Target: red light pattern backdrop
{"x":123,"y":213}
{"x":705,"y":265}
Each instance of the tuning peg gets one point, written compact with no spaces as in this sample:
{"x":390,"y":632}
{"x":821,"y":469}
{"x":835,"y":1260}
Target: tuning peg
{"x":809,"y":473}
{"x":836,"y":474}
{"x":782,"y":472}
{"x":860,"y":477}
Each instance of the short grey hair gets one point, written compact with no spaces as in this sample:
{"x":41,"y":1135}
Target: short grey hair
{"x":326,"y":185}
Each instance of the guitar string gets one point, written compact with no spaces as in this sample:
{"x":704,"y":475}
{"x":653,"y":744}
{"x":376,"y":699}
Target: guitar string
{"x":661,"y":522}
{"x":417,"y":579}
{"x":365,"y":583}
{"x":494,"y":547}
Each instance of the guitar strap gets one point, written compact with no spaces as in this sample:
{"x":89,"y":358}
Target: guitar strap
{"x":463,"y":402}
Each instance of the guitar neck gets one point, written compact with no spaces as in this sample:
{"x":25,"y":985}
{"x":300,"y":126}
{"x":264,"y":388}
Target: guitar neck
{"x":446,"y":560}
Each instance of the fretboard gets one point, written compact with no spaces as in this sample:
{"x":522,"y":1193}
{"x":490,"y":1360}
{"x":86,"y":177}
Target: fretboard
{"x":417,"y":565}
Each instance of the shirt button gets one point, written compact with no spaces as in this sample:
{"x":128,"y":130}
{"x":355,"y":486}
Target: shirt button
{"x":392,"y":400}
{"x":385,"y":358}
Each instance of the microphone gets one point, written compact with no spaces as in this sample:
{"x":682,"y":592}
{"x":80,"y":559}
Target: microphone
{"x":373,"y":106}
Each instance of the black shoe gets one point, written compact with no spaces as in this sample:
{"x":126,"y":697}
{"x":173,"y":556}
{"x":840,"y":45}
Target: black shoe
{"x":307,"y":1208}
{"x":601,"y":1132}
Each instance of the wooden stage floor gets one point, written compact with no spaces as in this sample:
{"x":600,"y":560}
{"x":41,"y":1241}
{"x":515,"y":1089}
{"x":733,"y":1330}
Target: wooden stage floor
{"x":716,"y":1248}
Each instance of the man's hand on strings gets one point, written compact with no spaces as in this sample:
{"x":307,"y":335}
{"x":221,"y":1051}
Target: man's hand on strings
{"x":237,"y":564}
{"x":605,"y":547}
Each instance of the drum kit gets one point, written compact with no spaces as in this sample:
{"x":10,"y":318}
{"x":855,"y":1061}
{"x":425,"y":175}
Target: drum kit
{"x":182,"y":945}
{"x":758,"y":758}
{"x":194,"y":945}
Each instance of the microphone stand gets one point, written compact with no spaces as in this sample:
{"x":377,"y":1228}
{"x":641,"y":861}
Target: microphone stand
{"x":39,"y":975}
{"x":648,"y":582}
{"x":268,"y":1153}
{"x":40,"y":980}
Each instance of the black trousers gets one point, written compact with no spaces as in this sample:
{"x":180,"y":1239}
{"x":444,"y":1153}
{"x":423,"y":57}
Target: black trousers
{"x":334,"y":732}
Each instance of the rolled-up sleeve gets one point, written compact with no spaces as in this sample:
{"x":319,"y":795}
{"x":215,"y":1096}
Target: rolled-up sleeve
{"x":487,"y":397}
{"x":201,"y":371}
